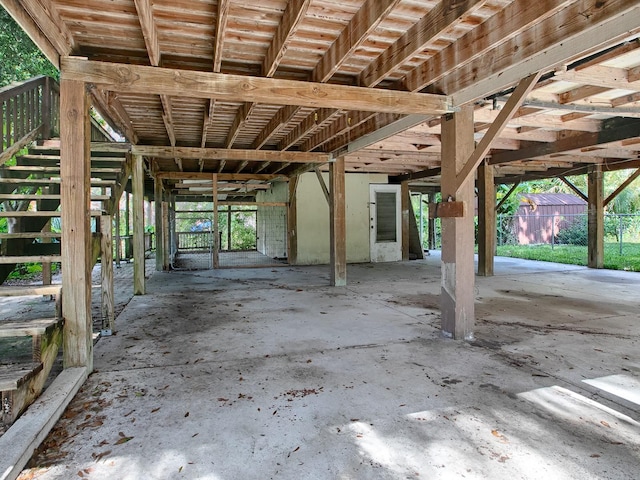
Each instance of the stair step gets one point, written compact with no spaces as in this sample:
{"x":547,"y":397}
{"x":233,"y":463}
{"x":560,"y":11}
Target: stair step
{"x":41,"y":213}
{"x":48,"y":181}
{"x":41,"y":169}
{"x":30,"y":290}
{"x":31,"y":235}
{"x":28,"y":328}
{"x":13,"y":377}
{"x":44,"y":157}
{"x":45,"y":196}
{"x":8,"y":260}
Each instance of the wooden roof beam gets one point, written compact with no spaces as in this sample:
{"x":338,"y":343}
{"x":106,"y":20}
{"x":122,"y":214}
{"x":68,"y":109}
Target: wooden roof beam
{"x":607,"y":77}
{"x":502,"y":26}
{"x":583,"y":27}
{"x":292,"y":17}
{"x":144,"y":80}
{"x":365,"y":21}
{"x":613,"y":130}
{"x":149,"y":32}
{"x":440,"y":18}
{"x":229,"y":154}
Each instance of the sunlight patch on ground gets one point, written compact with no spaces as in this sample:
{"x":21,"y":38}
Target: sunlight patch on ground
{"x":623,"y":386}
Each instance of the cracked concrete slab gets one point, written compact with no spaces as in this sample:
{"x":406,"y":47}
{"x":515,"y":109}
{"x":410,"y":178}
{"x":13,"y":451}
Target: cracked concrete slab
{"x":270,"y":373}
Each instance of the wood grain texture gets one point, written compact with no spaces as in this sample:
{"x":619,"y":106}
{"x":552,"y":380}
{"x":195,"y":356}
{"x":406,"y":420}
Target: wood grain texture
{"x":76,"y":234}
{"x":142,"y":79}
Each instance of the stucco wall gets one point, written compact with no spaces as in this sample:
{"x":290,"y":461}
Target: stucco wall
{"x":313,"y":218}
{"x":272,"y":221}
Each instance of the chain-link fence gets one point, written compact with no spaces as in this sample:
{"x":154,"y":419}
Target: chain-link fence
{"x":564,"y":238}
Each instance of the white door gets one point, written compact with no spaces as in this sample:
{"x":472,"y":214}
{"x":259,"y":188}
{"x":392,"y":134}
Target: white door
{"x":386,"y":225}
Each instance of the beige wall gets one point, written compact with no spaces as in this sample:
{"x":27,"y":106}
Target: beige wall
{"x":313,"y":218}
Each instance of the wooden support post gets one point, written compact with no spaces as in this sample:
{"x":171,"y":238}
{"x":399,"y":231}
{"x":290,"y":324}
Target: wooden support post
{"x":159,"y":225}
{"x":405,"y":202}
{"x":106,"y":273}
{"x":216,"y":224}
{"x":431,"y":226}
{"x":138,"y":226}
{"x":596,"y":217}
{"x":46,"y":266}
{"x":75,"y":200}
{"x":118,"y":240}
{"x":292,"y":222}
{"x":486,"y":219}
{"x":458,"y":279}
{"x":337,"y":224}
{"x":166,"y":248}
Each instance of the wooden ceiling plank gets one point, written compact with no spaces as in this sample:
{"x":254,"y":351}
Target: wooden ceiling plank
{"x":145,"y":80}
{"x":221,"y":25}
{"x":606,"y":77}
{"x":279,"y":120}
{"x":229,"y":154}
{"x":312,"y":121}
{"x":242,"y":115}
{"x":293,"y":15}
{"x":350,"y":39}
{"x":363,"y":23}
{"x":502,"y":26}
{"x":149,"y":31}
{"x":613,"y":130}
{"x":440,"y":18}
{"x":571,"y":34}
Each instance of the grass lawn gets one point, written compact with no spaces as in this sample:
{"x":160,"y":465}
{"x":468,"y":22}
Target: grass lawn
{"x":577,"y":255}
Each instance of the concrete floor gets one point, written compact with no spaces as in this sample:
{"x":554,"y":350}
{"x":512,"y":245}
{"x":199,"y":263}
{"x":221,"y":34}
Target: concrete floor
{"x":269,"y":373}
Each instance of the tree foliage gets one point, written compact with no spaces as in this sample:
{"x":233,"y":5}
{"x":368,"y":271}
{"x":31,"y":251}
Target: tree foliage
{"x":20,"y":59}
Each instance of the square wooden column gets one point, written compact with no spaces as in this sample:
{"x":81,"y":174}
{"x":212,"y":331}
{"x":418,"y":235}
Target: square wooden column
{"x":137,"y":179}
{"x":486,"y":219}
{"x":338,"y":224}
{"x":458,"y":277}
{"x":106,"y":274}
{"x":75,"y":201}
{"x":166,"y":244}
{"x":159,"y":224}
{"x":596,"y":217}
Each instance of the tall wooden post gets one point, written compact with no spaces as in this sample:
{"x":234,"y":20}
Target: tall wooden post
{"x":596,"y":217}
{"x":486,"y":219}
{"x":138,"y":225}
{"x":431,"y":226}
{"x":458,"y":279}
{"x":75,"y":200}
{"x":216,"y":224}
{"x":406,"y":209}
{"x":117,"y":239}
{"x":159,"y":225}
{"x":337,"y":224}
{"x":292,"y":223}
{"x":106,"y":273}
{"x":166,"y":247}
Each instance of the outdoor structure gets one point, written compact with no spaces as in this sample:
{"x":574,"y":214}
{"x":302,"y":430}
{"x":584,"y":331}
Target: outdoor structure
{"x":333,"y":112}
{"x":541,"y":216}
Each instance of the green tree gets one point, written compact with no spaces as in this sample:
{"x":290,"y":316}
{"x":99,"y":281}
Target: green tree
{"x":20,"y":59}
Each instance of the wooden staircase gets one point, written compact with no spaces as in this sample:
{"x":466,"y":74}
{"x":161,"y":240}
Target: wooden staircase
{"x":31,"y":241}
{"x":22,"y":378}
{"x":30,"y":201}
